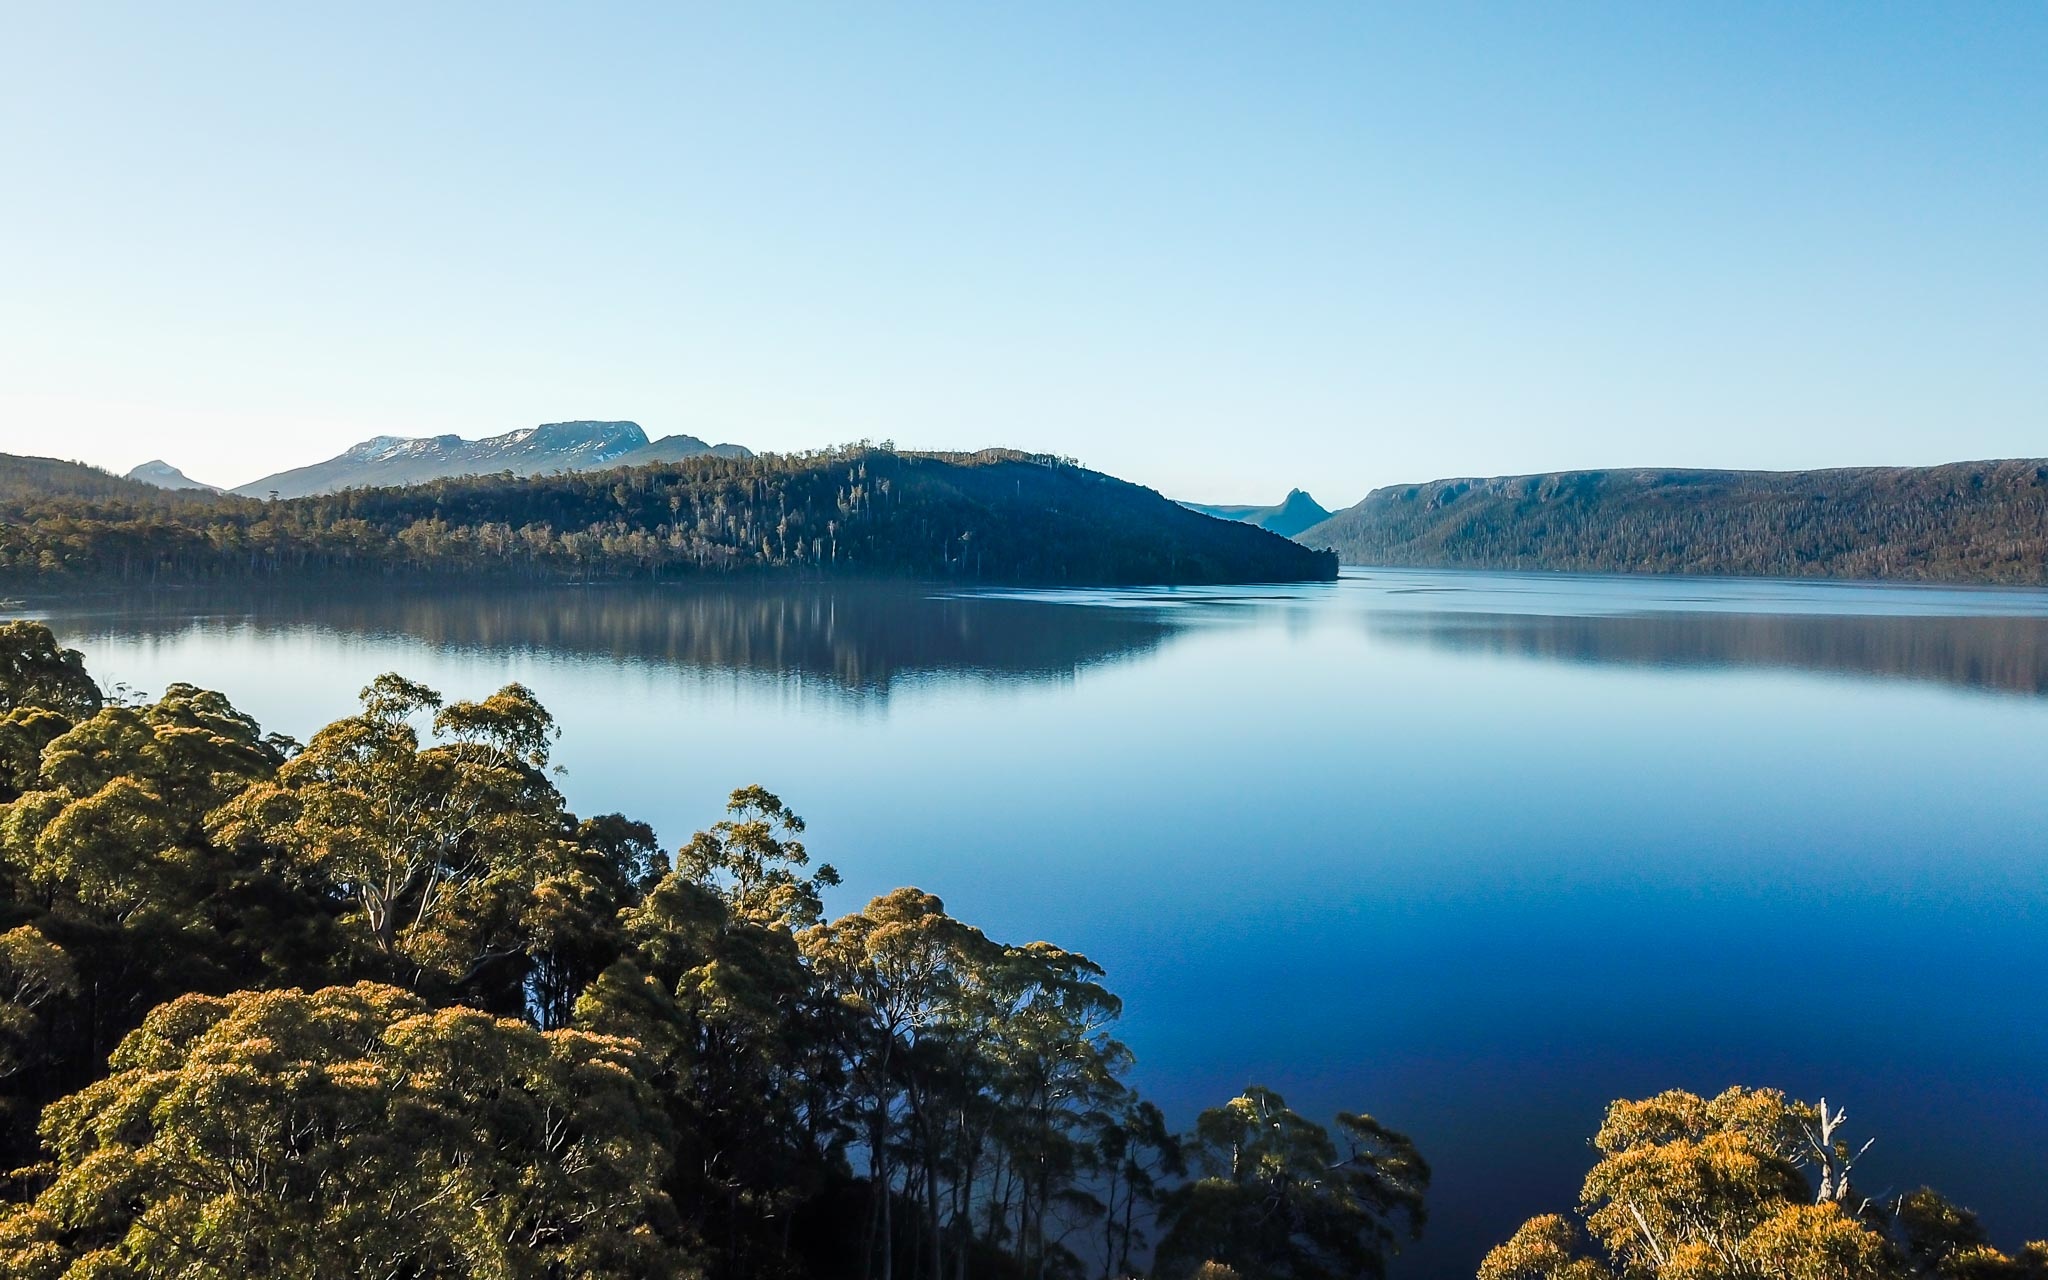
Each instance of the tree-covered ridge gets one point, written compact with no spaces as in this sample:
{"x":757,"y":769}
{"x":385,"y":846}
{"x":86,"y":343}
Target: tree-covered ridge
{"x":994,"y":517}
{"x":379,"y":1004}
{"x":1962,"y":522}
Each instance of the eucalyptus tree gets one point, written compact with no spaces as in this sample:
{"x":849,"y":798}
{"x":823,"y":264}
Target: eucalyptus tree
{"x":1140,"y":1159}
{"x":111,"y":823}
{"x":36,"y":671}
{"x":897,"y":970}
{"x":1058,"y":1073}
{"x":1940,"y":1238}
{"x":33,"y":972}
{"x":1747,"y":1185}
{"x":742,"y":1051}
{"x":568,"y":919}
{"x":104,"y":856}
{"x":753,"y":858}
{"x":431,"y":847}
{"x":1282,"y":1198}
{"x":351,"y":1131}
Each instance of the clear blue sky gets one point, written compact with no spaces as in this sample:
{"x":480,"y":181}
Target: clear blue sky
{"x":1221,"y":250}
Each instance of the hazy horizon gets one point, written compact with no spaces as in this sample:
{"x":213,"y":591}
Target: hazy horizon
{"x":1262,"y":499}
{"x":1220,"y":253}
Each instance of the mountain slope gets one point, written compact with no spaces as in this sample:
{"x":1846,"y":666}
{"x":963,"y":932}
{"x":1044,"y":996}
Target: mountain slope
{"x":991,"y":517}
{"x":165,"y":476}
{"x":25,"y":481}
{"x":393,"y":460}
{"x":1961,"y":522}
{"x":1294,"y":513}
{"x":675,"y":449}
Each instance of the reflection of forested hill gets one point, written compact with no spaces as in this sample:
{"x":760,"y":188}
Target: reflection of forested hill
{"x":864,"y":636}
{"x":2005,"y":653}
{"x":1963,"y":522}
{"x":995,"y":517}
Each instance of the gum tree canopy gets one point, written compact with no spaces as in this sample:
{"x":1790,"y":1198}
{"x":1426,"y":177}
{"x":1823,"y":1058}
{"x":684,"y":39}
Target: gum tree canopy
{"x":347,"y":1132}
{"x":1747,"y":1185}
{"x":1282,"y":1197}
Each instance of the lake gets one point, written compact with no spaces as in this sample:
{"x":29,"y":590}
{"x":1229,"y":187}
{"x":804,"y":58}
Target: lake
{"x":1476,"y":853}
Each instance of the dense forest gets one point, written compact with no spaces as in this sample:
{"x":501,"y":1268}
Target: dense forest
{"x":1963,"y":522}
{"x":379,"y":1004}
{"x":992,"y":517}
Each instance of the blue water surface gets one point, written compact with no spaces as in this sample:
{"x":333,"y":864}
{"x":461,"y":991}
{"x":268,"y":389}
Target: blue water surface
{"x":1476,"y":853}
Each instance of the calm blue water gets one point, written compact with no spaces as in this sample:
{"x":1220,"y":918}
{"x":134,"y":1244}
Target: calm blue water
{"x":1476,"y":853}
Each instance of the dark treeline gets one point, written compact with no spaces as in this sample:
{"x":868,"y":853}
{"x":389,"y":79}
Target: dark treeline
{"x":996,"y":516}
{"x":1963,"y":522}
{"x":380,"y":1005}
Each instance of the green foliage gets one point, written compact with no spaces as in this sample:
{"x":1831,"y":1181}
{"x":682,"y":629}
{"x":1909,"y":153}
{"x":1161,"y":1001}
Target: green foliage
{"x":751,"y":857}
{"x":735,"y":1031}
{"x":1747,"y":1185}
{"x":352,"y":1131}
{"x":1281,"y":1197}
{"x":35,"y":671}
{"x":997,"y":516}
{"x":1963,"y":522}
{"x":33,"y":970}
{"x":124,"y":899}
{"x":1139,"y":1160}
{"x":437,"y":848}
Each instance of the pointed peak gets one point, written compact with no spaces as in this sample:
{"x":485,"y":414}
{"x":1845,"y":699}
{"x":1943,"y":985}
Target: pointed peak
{"x":165,"y":476}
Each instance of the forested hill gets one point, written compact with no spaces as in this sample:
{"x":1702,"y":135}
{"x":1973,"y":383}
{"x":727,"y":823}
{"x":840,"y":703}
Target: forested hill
{"x":995,"y":517}
{"x":1962,"y":522}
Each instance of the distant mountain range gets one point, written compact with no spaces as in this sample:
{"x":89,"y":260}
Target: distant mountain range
{"x":1294,"y":513}
{"x":1960,"y":522}
{"x":384,"y":461}
{"x":165,"y":476}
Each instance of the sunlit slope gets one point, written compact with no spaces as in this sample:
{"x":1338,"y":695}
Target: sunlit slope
{"x":1960,"y":522}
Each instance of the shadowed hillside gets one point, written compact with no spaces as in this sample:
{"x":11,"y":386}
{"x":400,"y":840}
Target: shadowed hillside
{"x":1962,"y":522}
{"x":995,"y":517}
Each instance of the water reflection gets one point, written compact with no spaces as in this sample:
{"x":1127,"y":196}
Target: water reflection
{"x":2009,"y":654}
{"x":864,"y":639}
{"x":1977,"y":638}
{"x":861,"y":638}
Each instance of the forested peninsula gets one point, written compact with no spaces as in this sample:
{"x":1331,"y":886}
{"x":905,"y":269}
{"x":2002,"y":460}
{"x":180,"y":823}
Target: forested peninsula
{"x":992,"y":517}
{"x":380,"y":1004}
{"x":1963,"y":522}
